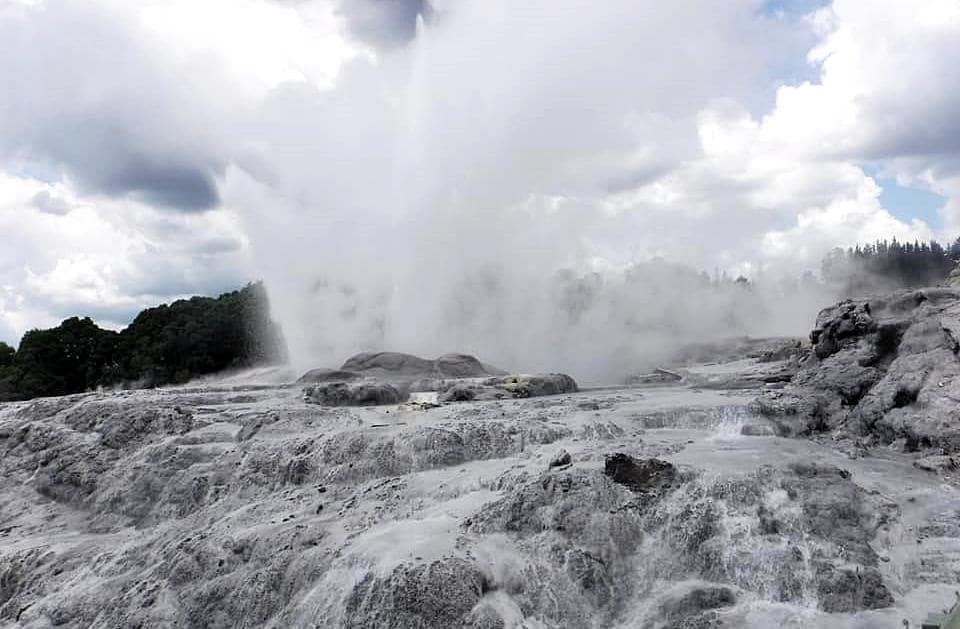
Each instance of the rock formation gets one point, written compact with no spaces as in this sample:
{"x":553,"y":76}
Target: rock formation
{"x":389,"y":377}
{"x":218,"y":505}
{"x":884,"y":368}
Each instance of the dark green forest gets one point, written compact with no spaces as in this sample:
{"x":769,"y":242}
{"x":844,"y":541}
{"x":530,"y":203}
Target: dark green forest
{"x":888,"y":265}
{"x":168,"y":344}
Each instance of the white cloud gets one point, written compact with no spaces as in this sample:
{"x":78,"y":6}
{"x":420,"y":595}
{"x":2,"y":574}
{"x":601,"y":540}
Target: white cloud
{"x":259,"y":43}
{"x":106,"y":258}
{"x":521,"y":136}
{"x":889,"y":91}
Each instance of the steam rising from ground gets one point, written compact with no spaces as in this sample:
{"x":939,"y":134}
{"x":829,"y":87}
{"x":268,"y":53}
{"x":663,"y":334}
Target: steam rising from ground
{"x":597,"y":326}
{"x":471,"y":191}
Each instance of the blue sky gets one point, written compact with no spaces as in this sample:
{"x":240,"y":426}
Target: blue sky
{"x":792,"y":7}
{"x":906,"y":202}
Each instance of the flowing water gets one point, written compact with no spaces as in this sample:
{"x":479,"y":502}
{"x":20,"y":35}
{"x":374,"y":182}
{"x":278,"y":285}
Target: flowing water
{"x":239,"y":505}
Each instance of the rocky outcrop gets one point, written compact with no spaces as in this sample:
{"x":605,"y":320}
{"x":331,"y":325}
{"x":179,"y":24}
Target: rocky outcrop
{"x":315,"y":376}
{"x":220,"y":507}
{"x":398,"y":365}
{"x":812,"y":528}
{"x":801,"y":533}
{"x":650,"y":478}
{"x":693,"y":607}
{"x":884,"y":368}
{"x":388,"y":377}
{"x":437,"y":595}
{"x":508,"y":387}
{"x":362,"y":393}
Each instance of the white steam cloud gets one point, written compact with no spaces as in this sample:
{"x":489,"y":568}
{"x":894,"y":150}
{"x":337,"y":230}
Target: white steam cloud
{"x":466,"y":192}
{"x":494,"y":176}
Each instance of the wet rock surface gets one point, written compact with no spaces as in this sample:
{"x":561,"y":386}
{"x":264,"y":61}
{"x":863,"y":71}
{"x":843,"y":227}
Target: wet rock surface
{"x":437,"y":595}
{"x":225,"y":506}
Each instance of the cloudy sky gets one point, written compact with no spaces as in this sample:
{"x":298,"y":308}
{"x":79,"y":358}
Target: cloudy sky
{"x":161,"y":148}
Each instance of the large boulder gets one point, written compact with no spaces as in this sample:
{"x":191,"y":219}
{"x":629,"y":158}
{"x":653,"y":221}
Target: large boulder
{"x":649,"y":477}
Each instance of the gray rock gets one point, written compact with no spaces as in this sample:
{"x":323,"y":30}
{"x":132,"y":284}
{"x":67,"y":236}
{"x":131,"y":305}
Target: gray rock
{"x":560,"y":459}
{"x":143,"y":509}
{"x":438,"y":595}
{"x":459,"y":392}
{"x":657,"y":376}
{"x":884,"y":367}
{"x":363,"y":393}
{"x":388,"y":364}
{"x":315,"y":376}
{"x":757,"y":430}
{"x":485,"y":616}
{"x":398,"y":365}
{"x":650,"y":477}
{"x":462,"y":366}
{"x":524,"y":386}
{"x":848,"y":590}
{"x":505,"y":387}
{"x":696,"y":601}
{"x":938,"y":463}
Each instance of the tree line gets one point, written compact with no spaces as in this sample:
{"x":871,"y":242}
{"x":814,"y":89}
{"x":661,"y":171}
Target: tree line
{"x":171,"y":344}
{"x":888,"y":265}
{"x":168,"y":344}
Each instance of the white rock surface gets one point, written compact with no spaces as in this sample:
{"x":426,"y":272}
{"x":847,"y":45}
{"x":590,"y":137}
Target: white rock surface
{"x":242,"y":506}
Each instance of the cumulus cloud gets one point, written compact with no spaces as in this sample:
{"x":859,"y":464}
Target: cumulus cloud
{"x":416,"y":189}
{"x":106,"y":258}
{"x":114,"y":96}
{"x":106,"y":112}
{"x":887,"y":92}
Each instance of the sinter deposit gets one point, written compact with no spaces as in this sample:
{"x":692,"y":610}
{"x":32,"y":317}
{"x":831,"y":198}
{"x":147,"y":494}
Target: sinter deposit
{"x":396,"y":491}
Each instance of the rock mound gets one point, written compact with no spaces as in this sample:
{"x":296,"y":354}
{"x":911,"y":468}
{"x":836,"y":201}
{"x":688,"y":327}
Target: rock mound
{"x":506,"y":387}
{"x":431,"y":596}
{"x":315,"y":376}
{"x":365,"y":393}
{"x":694,"y":606}
{"x":399,"y":365}
{"x":388,"y":378}
{"x":885,"y":368}
{"x":801,"y":533}
{"x":651,"y":477}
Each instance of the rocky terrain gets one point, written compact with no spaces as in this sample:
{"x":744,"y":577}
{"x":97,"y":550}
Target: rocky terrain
{"x":479,"y":499}
{"x":882,"y":371}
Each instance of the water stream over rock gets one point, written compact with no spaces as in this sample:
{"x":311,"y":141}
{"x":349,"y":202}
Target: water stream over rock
{"x":242,"y":506}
